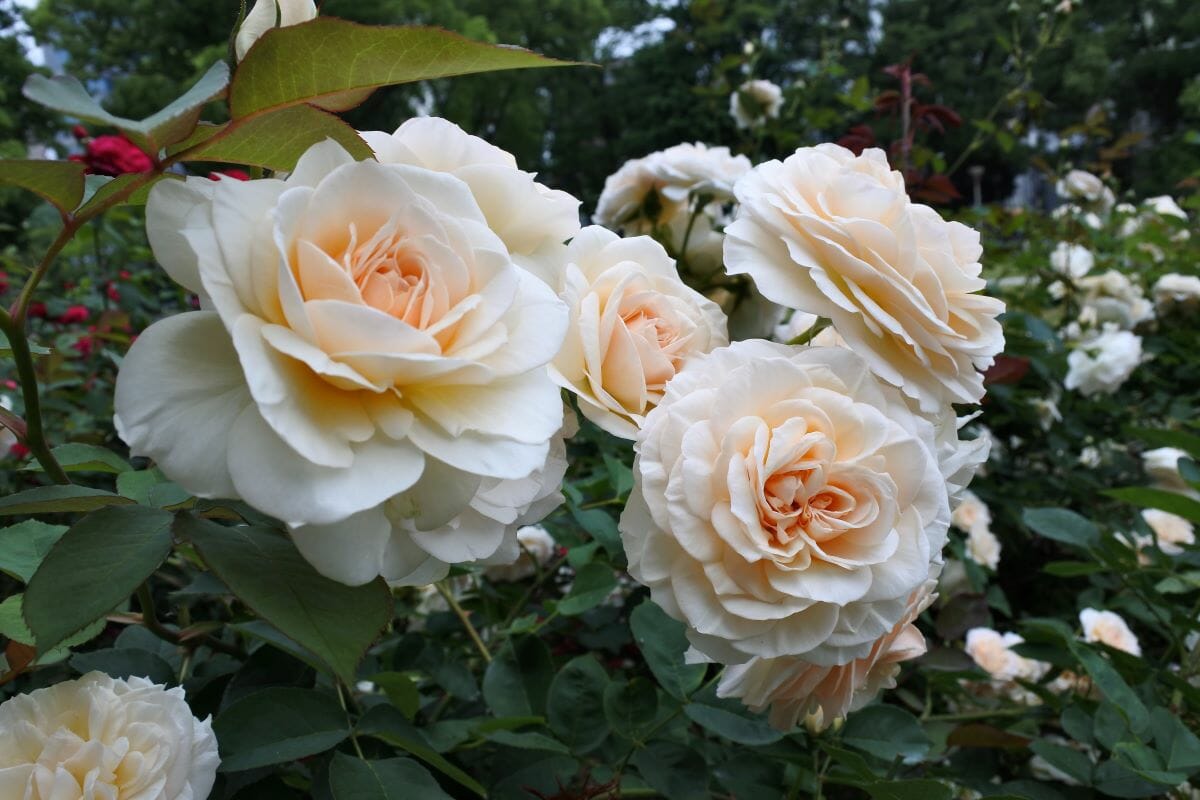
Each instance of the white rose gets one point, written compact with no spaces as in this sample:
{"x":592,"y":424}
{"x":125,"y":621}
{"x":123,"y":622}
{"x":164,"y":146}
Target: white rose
{"x":971,"y":513}
{"x":1162,"y":465}
{"x":1165,"y":206}
{"x":368,"y":335}
{"x":755,"y":102}
{"x":1083,"y":186}
{"x":1089,"y":457}
{"x":1101,"y":363}
{"x":262,"y":18}
{"x":820,"y":695}
{"x":1047,"y":411}
{"x":533,"y":221}
{"x":1113,"y":297}
{"x":634,"y":324}
{"x":1107,"y":627}
{"x":993,"y":652}
{"x":1072,"y":260}
{"x":1174,"y":289}
{"x":835,"y":234}
{"x":785,"y":503}
{"x":537,"y":548}
{"x":983,"y":548}
{"x":97,"y":737}
{"x":1171,"y":531}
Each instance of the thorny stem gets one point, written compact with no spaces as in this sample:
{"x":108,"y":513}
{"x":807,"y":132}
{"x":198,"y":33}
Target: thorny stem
{"x":448,"y":596}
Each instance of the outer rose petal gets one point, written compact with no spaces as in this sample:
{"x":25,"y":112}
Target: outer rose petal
{"x":176,"y":207}
{"x":178,"y":391}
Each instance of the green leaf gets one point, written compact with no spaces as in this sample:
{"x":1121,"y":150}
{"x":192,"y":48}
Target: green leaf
{"x":1118,"y":780}
{"x":602,"y":527}
{"x":663,"y":643}
{"x":276,"y":140}
{"x":277,"y":725}
{"x":392,"y":779}
{"x":401,"y":691}
{"x":59,"y":183}
{"x":751,"y":731}
{"x":76,"y":457}
{"x":528,"y":740}
{"x":12,"y":625}
{"x":336,"y":622}
{"x":1189,"y":442}
{"x":516,"y":682}
{"x":344,"y":62}
{"x":575,"y":705}
{"x":34,"y":349}
{"x":1069,"y":760}
{"x":114,"y":185}
{"x":95,"y":566}
{"x":1146,"y":497}
{"x":676,"y":771}
{"x":592,"y":584}
{"x":53,"y":499}
{"x":123,"y":663}
{"x":24,"y":545}
{"x":630,"y":707}
{"x":174,"y":122}
{"x":1179,"y":746}
{"x":1114,"y":687}
{"x":1062,"y":525}
{"x":389,"y":725}
{"x":887,"y":732}
{"x":916,"y":789}
{"x":1072,"y":569}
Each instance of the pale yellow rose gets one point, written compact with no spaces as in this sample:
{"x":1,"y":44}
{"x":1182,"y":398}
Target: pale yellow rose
{"x":1107,"y":627}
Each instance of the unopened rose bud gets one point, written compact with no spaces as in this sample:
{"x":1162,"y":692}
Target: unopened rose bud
{"x":263,"y":17}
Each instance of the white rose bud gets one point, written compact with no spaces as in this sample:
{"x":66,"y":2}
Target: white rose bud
{"x":268,"y":14}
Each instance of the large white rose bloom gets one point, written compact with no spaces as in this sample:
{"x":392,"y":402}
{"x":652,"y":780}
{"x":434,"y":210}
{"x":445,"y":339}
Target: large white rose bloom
{"x":532,"y":220}
{"x":1108,"y":627}
{"x":1102,"y":362}
{"x":785,"y":503}
{"x":634,"y":324}
{"x":796,"y":690}
{"x":97,"y":738}
{"x":369,"y":369}
{"x":755,"y":102}
{"x":657,"y":194}
{"x":835,"y":234}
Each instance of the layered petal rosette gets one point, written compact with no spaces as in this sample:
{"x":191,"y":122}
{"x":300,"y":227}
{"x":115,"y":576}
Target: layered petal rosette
{"x":634,"y":324}
{"x":786,"y":503}
{"x":834,"y":234}
{"x":795,"y":690}
{"x":369,"y":367}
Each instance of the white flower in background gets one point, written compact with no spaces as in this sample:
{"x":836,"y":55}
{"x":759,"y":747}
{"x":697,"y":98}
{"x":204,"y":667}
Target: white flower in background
{"x":1047,"y":411}
{"x":1072,"y":260}
{"x":1165,"y":206}
{"x":1089,"y":457}
{"x":754,"y":102}
{"x":1162,"y":465}
{"x":972,"y":516}
{"x":533,"y":221}
{"x":1107,"y":627}
{"x":799,"y":322}
{"x":97,"y":738}
{"x":1112,"y":297}
{"x":796,"y":690}
{"x":983,"y":548}
{"x":785,"y":503}
{"x":1171,"y":531}
{"x":268,"y":14}
{"x":657,"y":195}
{"x":537,"y":550}
{"x":834,"y":234}
{"x":1173,"y":290}
{"x":1101,"y":363}
{"x":634,"y":325}
{"x":1086,"y":189}
{"x":371,"y":372}
{"x":993,"y":652}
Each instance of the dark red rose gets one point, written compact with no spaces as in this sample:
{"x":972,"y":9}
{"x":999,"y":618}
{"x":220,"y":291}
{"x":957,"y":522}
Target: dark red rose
{"x":114,"y":155}
{"x":74,"y":314}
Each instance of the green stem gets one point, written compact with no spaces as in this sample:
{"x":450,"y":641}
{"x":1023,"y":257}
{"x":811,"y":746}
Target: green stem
{"x":35,"y":435}
{"x":448,"y":596}
{"x":970,"y":716}
{"x":810,"y":334}
{"x":151,"y":623}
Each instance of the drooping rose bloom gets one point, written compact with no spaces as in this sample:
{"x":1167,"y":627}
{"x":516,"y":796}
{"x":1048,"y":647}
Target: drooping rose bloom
{"x":754,"y":102}
{"x":785,"y":503}
{"x":796,"y":690}
{"x":634,"y":324}
{"x":835,"y":234}
{"x":97,"y":738}
{"x":369,"y":369}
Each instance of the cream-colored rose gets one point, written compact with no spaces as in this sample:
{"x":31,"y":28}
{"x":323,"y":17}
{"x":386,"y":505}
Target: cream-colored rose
{"x":97,"y":738}
{"x":835,"y":234}
{"x":821,"y":695}
{"x":785,"y":503}
{"x":1174,"y":289}
{"x":1107,"y":627}
{"x":634,"y":324}
{"x":537,"y":550}
{"x":755,"y":102}
{"x":1171,"y":531}
{"x":268,"y":14}
{"x":1086,"y":188}
{"x":532,"y":220}
{"x":369,"y":367}
{"x":993,"y":652}
{"x":1103,"y":361}
{"x":1072,"y":260}
{"x":1112,"y":298}
{"x":983,"y":548}
{"x":1162,"y":465}
{"x":971,"y":513}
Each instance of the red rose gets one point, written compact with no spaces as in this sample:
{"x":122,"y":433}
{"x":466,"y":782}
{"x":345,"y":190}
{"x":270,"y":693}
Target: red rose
{"x":236,"y":174}
{"x":19,"y":450}
{"x":114,"y":294}
{"x":80,"y":132}
{"x":114,"y":155}
{"x":37,"y":309}
{"x":84,"y":346}
{"x":74,"y":314}
{"x":3,"y":282}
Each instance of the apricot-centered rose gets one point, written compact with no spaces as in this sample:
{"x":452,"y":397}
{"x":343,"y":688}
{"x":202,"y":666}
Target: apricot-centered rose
{"x":634,"y":324}
{"x":786,"y":503}
{"x":370,"y":363}
{"x":835,"y":234}
{"x":97,"y":738}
